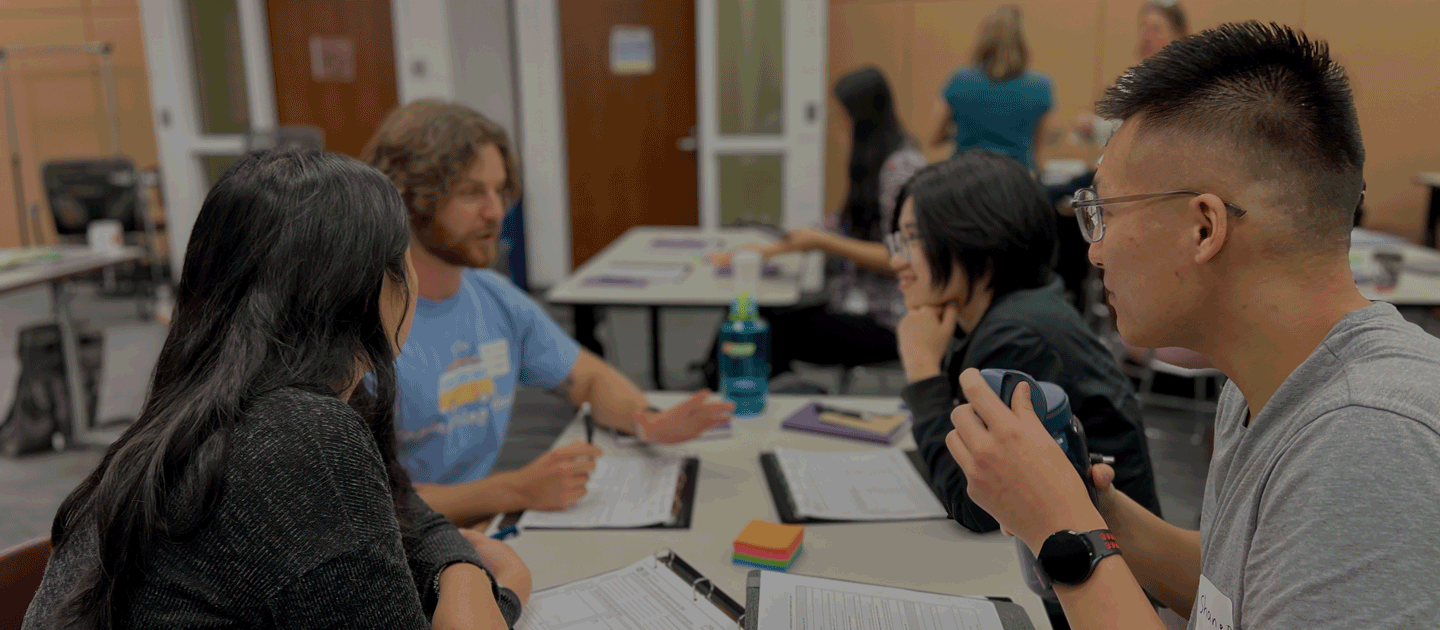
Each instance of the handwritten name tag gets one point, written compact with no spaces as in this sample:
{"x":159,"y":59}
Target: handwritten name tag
{"x":1213,"y":610}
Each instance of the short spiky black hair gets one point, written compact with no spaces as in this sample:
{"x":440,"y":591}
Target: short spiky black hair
{"x":1272,"y":92}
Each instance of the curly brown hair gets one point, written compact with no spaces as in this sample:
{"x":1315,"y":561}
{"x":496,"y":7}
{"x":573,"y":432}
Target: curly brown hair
{"x":425,"y":147}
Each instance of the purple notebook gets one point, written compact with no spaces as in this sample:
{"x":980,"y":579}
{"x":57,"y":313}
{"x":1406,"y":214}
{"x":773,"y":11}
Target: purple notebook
{"x":606,"y":280}
{"x":768,"y":271}
{"x":808,"y":419}
{"x":685,"y":243}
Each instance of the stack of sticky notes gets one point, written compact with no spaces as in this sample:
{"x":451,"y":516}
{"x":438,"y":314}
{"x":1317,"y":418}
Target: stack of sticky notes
{"x":766,"y":545}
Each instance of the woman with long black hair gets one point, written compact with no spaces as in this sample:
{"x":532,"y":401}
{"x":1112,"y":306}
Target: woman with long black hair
{"x":862,"y":305}
{"x":259,"y":488}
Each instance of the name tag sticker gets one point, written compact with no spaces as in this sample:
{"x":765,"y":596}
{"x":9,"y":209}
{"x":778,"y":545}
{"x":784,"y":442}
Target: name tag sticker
{"x":1213,"y":610}
{"x":495,"y":356}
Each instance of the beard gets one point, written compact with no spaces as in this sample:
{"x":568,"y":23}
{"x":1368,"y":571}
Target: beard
{"x":467,"y":250}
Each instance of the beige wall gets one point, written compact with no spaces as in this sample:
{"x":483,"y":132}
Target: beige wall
{"x":58,"y":100}
{"x":1388,"y":47}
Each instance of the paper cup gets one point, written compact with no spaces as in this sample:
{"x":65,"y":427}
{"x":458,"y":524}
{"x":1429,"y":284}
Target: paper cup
{"x":105,"y":236}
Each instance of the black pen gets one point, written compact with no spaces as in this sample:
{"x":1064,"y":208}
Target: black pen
{"x":584,"y":414}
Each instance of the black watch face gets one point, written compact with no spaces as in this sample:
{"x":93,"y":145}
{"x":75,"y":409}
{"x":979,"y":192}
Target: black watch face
{"x":1066,"y":558}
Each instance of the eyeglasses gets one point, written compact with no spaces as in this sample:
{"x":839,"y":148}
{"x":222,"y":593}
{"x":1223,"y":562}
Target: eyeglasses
{"x":899,"y":244}
{"x":1090,"y":209}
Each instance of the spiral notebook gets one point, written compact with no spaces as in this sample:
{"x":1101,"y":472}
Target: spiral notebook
{"x":662,"y":591}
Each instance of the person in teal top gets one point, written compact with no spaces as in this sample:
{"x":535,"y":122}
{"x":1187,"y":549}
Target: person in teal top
{"x":997,"y":103}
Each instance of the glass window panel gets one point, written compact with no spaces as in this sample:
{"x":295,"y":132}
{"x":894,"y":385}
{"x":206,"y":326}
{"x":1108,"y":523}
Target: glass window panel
{"x":220,"y":91}
{"x":751,"y":63}
{"x":214,"y":166}
{"x":752,"y":189}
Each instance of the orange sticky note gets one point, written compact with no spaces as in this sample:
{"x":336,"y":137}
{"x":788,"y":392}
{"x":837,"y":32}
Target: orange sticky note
{"x":771,"y":536}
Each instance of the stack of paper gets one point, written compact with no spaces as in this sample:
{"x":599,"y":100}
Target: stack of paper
{"x":766,"y":545}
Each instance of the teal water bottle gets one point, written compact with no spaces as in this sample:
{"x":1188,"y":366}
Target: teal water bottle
{"x":744,"y":358}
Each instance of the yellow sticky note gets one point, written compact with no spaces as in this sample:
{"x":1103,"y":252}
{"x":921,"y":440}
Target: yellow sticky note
{"x":772,"y":536}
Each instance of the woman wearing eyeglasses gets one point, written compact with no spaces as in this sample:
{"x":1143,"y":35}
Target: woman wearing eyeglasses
{"x":973,"y":253}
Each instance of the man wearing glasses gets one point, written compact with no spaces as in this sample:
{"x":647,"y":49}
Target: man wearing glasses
{"x":1221,"y":216}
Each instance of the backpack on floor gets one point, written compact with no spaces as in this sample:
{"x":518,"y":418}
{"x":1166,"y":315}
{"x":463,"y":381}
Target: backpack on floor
{"x":41,"y":417}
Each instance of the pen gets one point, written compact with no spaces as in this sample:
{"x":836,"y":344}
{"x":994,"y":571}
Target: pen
{"x":583,"y":413}
{"x":506,"y":532}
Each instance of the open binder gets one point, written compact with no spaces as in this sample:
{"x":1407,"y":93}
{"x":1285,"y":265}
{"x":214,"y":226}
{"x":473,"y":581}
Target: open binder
{"x":760,"y":612}
{"x":663,"y":589}
{"x":785,"y":504}
{"x":680,"y":514}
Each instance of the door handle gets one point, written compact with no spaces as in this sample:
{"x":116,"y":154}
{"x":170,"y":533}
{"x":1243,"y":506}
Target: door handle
{"x":689,"y":143}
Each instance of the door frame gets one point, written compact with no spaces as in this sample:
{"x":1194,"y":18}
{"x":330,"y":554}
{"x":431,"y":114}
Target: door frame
{"x":181,"y":147}
{"x":801,"y":143}
{"x":541,"y":119}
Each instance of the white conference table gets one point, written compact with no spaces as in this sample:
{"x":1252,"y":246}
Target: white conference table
{"x":700,"y":286}
{"x":56,"y":271}
{"x":932,"y":555}
{"x":1419,"y":283}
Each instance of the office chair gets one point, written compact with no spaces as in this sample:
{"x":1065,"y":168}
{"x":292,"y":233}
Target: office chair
{"x":83,"y":190}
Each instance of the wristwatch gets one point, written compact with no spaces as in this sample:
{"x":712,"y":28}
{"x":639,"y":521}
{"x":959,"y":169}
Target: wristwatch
{"x":1068,"y":557}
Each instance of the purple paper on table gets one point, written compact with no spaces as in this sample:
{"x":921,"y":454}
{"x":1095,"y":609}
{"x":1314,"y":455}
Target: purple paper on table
{"x":768,"y":271}
{"x":808,"y":419}
{"x":606,"y":280}
{"x":684,"y":243}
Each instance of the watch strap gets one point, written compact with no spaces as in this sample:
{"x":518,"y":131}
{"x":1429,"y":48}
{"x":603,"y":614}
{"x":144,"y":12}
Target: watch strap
{"x":1101,"y":543}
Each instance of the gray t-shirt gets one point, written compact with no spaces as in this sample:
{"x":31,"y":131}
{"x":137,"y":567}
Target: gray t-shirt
{"x":1322,"y":512}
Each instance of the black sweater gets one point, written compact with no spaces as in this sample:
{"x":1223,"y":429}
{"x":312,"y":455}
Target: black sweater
{"x":304,"y":536}
{"x":1037,"y":332}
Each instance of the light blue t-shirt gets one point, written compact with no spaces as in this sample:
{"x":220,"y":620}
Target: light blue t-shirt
{"x":458,"y":371}
{"x":998,"y":115}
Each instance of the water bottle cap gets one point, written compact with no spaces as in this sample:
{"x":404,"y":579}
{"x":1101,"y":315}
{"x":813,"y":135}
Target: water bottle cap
{"x":1056,"y":416}
{"x":742,"y":307}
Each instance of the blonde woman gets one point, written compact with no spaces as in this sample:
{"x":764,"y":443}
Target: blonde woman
{"x":997,"y":102}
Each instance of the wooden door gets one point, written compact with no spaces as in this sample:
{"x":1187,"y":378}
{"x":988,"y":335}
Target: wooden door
{"x":626,"y":119}
{"x":334,"y":67}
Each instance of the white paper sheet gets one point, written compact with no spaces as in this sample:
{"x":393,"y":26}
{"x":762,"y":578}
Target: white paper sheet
{"x":642,"y":595}
{"x":873,"y":485}
{"x":623,"y":492}
{"x":799,"y":602}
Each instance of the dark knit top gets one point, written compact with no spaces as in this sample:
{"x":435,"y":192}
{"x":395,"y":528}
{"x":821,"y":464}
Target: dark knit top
{"x":1037,"y":332}
{"x":304,"y":536}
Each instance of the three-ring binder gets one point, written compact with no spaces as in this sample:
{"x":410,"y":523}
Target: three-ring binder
{"x":690,"y":576}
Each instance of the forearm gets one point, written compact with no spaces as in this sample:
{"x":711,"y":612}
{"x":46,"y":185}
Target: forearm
{"x":1165,"y":559}
{"x":1110,"y":598}
{"x":467,"y":503}
{"x":868,"y":254}
{"x":614,"y":400}
{"x":467,"y":600}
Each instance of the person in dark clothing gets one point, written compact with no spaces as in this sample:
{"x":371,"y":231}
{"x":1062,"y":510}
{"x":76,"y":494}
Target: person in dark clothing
{"x":260,"y":487}
{"x":973,"y":255}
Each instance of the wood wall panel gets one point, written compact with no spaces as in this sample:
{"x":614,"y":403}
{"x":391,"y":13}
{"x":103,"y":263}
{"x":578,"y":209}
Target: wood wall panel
{"x":59,"y":106}
{"x":883,"y":43}
{"x":1387,"y":46}
{"x":1392,"y":56}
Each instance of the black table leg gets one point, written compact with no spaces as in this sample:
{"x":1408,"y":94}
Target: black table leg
{"x":1434,"y":218}
{"x":585,"y":322}
{"x":657,"y":366}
